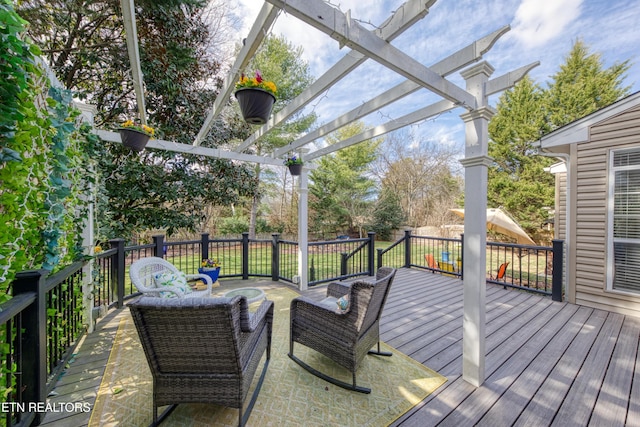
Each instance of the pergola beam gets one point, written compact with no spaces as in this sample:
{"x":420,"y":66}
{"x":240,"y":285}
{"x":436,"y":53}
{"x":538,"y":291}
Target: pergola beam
{"x":265,"y":19}
{"x":403,"y":18}
{"x":448,"y":65}
{"x":421,"y":114}
{"x":350,"y":33}
{"x":131,"y":32}
{"x":162,"y":144}
{"x":509,"y":79}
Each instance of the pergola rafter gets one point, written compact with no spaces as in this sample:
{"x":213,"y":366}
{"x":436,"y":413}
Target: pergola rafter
{"x":266,"y":18}
{"x":128,"y":17}
{"x":406,"y":120}
{"x":349,"y":32}
{"x":375,"y":45}
{"x":450,"y":64}
{"x":407,"y":15}
{"x":176,"y":147}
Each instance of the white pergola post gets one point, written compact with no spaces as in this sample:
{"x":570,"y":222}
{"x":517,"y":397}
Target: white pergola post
{"x":303,"y":229}
{"x":476,"y":162}
{"x":88,"y":232}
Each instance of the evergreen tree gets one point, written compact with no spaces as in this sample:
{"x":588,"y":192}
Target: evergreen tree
{"x":387,"y":215}
{"x":518,"y":181}
{"x":582,"y":86}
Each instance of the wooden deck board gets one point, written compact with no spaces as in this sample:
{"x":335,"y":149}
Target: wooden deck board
{"x":546,"y":402}
{"x":509,"y":365}
{"x":499,"y":351}
{"x":580,"y":400}
{"x":611,"y":407}
{"x":436,"y":332}
{"x":633,"y":413}
{"x":547,"y":363}
{"x":513,"y":401}
{"x":500,"y":325}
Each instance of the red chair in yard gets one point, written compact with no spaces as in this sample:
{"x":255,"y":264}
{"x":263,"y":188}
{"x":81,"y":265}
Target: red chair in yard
{"x":502,"y":271}
{"x":431,"y":262}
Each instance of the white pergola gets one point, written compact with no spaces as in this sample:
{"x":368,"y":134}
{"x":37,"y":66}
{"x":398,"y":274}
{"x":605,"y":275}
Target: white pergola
{"x":374,"y":45}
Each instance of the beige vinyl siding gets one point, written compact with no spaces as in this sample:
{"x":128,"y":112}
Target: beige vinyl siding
{"x":591,"y":192}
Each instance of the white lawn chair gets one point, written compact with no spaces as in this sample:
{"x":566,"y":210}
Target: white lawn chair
{"x":146,"y":272}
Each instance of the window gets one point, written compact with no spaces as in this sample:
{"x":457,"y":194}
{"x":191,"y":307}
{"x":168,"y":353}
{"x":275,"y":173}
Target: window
{"x":624,"y":253}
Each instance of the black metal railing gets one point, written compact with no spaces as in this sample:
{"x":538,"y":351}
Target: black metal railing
{"x":240,"y":257}
{"x":285,"y":259}
{"x":42,"y":325}
{"x":341,"y":259}
{"x":526,"y":267}
{"x":43,"y":320}
{"x":533,"y":268}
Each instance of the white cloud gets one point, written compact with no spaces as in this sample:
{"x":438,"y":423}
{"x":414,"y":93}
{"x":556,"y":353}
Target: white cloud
{"x":538,"y":22}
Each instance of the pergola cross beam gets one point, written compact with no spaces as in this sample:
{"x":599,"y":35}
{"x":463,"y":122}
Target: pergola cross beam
{"x":421,"y":114}
{"x":350,"y":33}
{"x":509,"y":79}
{"x":131,"y":32}
{"x":407,"y":15}
{"x":176,"y":147}
{"x":266,"y":18}
{"x":454,"y":62}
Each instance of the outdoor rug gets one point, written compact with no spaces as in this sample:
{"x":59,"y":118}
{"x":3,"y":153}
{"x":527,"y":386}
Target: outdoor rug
{"x":290,"y":396}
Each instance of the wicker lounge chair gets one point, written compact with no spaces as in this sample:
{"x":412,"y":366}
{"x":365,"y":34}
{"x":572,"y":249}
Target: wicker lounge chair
{"x":345,"y":336}
{"x":143,"y":272}
{"x":203,"y":350}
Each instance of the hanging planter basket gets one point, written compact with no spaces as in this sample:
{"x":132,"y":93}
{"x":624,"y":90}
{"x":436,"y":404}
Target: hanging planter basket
{"x":134,"y":139}
{"x":295,"y":169}
{"x":255,"y":105}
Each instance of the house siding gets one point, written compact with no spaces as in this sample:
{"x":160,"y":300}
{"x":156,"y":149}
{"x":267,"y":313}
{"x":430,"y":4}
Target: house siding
{"x":591,"y":231}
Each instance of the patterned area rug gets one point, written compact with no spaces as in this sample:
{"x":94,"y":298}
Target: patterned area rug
{"x":290,"y":396}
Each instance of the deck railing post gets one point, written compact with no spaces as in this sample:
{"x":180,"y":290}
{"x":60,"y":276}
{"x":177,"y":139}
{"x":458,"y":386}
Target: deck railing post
{"x":158,"y":242}
{"x":556,"y":278}
{"x":204,"y":246}
{"x":275,"y":257}
{"x":379,"y":261}
{"x":407,"y":248}
{"x":117,"y":271}
{"x":245,"y":256}
{"x":371,"y":253}
{"x":462,"y":256}
{"x":33,"y":338}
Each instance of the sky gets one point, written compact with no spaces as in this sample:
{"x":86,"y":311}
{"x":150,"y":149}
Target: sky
{"x":541,"y":31}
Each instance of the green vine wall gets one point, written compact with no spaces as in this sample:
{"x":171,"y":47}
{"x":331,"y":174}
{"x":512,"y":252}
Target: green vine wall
{"x":45,"y":161}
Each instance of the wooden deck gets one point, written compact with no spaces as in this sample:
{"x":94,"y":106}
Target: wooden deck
{"x":547,"y":363}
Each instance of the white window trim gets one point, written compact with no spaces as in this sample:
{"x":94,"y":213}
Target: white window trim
{"x":610,"y":254}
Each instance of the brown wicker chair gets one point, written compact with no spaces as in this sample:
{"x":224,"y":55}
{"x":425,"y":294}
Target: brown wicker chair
{"x":346,"y":337}
{"x":204,"y":350}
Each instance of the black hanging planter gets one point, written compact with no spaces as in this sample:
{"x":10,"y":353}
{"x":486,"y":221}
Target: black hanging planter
{"x":134,"y":139}
{"x":295,"y":169}
{"x":255,"y":105}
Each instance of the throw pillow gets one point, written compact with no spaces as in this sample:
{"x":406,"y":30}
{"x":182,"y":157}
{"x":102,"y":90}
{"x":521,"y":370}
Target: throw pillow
{"x":178,"y":280}
{"x":343,"y":303}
